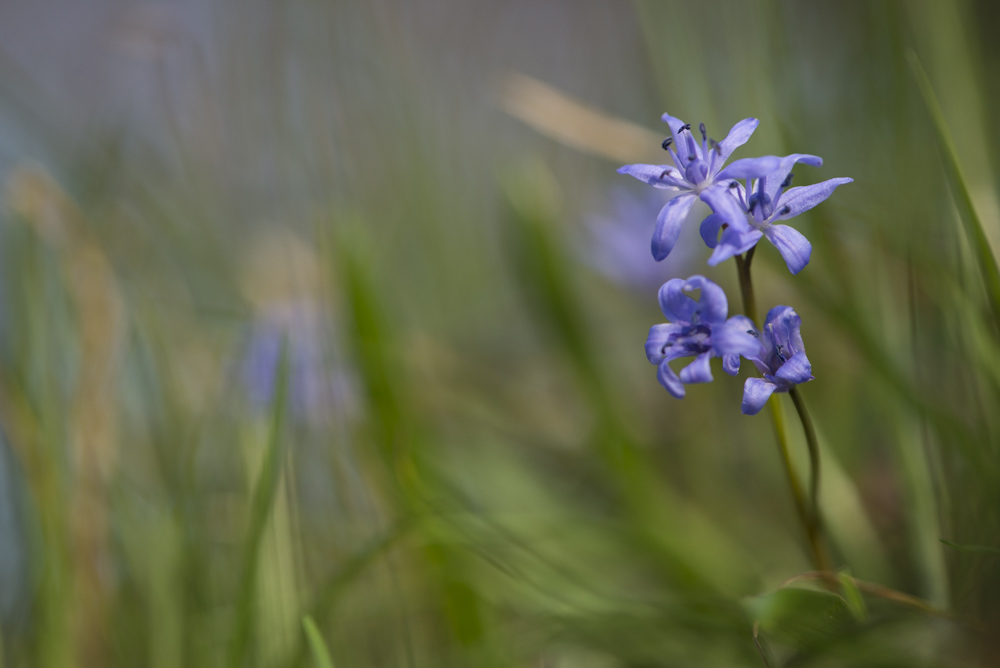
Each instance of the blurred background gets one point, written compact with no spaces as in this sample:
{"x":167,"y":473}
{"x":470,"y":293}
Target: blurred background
{"x":336,"y":310}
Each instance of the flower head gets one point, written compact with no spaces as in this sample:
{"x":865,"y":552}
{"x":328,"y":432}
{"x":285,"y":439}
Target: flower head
{"x":618,"y":242}
{"x":748,"y":213}
{"x":315,"y":388}
{"x":780,"y":358}
{"x":699,"y":329}
{"x":697,"y":169}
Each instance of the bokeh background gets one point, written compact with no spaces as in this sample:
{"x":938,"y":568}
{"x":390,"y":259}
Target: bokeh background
{"x":335,"y":310}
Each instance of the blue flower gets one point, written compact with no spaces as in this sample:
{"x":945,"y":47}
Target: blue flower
{"x":316,"y":389}
{"x":618,"y":242}
{"x":780,"y":358}
{"x":697,"y":170}
{"x":747,"y":214}
{"x":699,"y":329}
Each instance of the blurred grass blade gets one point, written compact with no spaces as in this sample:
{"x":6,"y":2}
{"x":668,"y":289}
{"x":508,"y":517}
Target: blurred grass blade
{"x":319,"y":649}
{"x":260,"y":510}
{"x":971,"y":548}
{"x":329,"y":591}
{"x":855,"y":602}
{"x":985,"y":258}
{"x":558,"y":116}
{"x":371,"y":342}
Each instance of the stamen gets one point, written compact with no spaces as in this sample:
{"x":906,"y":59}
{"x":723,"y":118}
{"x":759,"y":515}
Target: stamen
{"x":785,"y":210}
{"x":704,"y":135}
{"x":788,"y":180}
{"x":667,"y":142}
{"x":733,"y":184}
{"x":686,"y":126}
{"x":664,"y":173}
{"x":692,"y":157}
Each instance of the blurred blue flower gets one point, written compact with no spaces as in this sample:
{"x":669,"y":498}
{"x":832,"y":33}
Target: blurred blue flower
{"x":780,"y":357}
{"x":700,"y":329}
{"x":315,"y":387}
{"x":746,"y":214}
{"x":618,"y":242}
{"x":697,"y":169}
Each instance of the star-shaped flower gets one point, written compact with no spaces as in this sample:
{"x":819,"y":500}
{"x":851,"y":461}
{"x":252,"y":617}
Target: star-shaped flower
{"x":699,"y":329}
{"x":748,"y":213}
{"x":697,"y":169}
{"x":780,"y":357}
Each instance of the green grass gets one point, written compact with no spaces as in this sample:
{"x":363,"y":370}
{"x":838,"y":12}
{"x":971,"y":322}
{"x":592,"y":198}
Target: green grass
{"x":495,"y":477}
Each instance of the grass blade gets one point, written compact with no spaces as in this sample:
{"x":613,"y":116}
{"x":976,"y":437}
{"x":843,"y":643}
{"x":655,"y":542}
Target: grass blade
{"x":319,"y":650}
{"x":981,"y":248}
{"x":260,"y":510}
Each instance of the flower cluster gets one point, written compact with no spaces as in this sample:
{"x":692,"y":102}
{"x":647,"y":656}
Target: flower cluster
{"x":748,"y":200}
{"x":743,"y":212}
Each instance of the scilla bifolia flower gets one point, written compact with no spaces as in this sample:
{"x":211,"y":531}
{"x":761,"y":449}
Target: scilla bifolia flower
{"x":699,"y":329}
{"x":780,"y":357}
{"x":746,"y":214}
{"x":697,"y":170}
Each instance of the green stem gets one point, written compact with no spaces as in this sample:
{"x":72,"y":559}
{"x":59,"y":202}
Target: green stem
{"x":746,"y":285}
{"x":808,"y":512}
{"x":813,"y":445}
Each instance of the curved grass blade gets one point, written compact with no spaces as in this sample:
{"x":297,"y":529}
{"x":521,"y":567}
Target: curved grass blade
{"x":319,"y":649}
{"x":981,"y":248}
{"x":971,"y":548}
{"x":260,"y":509}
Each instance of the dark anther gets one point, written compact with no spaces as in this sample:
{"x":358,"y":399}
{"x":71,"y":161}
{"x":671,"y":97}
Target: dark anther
{"x":664,"y":173}
{"x":667,"y":142}
{"x":733,"y":184}
{"x":784,"y":211}
{"x":663,"y":350}
{"x":692,"y":157}
{"x":788,"y":180}
{"x":752,"y":333}
{"x":687,"y":126}
{"x":701,"y":126}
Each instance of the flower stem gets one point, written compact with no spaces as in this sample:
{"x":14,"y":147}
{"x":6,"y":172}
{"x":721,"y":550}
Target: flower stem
{"x":813,"y":445}
{"x":808,"y":512}
{"x":746,"y":285}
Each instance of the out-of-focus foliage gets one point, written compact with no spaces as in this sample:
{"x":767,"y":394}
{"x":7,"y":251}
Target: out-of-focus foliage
{"x":303,"y":316}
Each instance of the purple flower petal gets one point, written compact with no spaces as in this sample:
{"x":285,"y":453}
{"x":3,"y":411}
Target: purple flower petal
{"x":657,"y":339}
{"x":675,"y":125}
{"x":653,"y":175}
{"x":668,"y":225}
{"x":796,"y":370}
{"x":731,"y":364}
{"x":725,"y":204}
{"x":782,"y":327}
{"x":750,"y":168}
{"x":676,"y":305}
{"x":710,"y":229}
{"x":775,"y":179}
{"x":797,"y":200}
{"x":669,"y":380}
{"x":735,"y":337}
{"x":698,"y":371}
{"x":794,"y":247}
{"x":756,"y":392}
{"x":734,"y":242}
{"x":738,"y":135}
{"x":713,"y":307}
